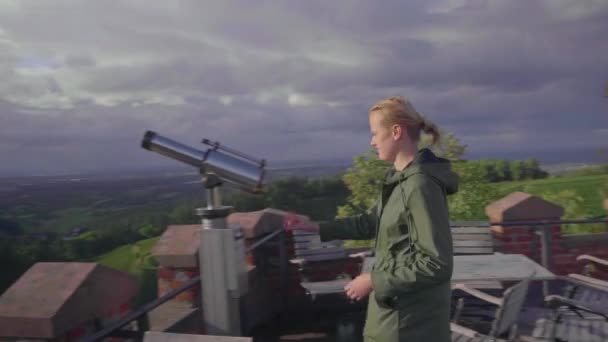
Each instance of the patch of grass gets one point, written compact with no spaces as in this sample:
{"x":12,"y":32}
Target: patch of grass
{"x":136,"y":260}
{"x":588,"y":187}
{"x":130,"y":258}
{"x":65,"y":220}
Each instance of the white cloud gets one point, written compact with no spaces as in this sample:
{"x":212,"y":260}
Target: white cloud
{"x":296,"y":100}
{"x":446,"y":6}
{"x":226,"y":100}
{"x":574,"y":10}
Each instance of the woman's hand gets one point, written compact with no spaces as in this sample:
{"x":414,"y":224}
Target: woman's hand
{"x":292,"y":222}
{"x":360,"y":287}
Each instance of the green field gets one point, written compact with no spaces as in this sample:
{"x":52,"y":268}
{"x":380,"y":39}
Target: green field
{"x":587,"y":187}
{"x":137,"y":260}
{"x":130,"y":258}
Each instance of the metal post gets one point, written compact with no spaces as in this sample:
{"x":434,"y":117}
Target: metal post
{"x":545,"y":240}
{"x":222,"y":266}
{"x":143,"y":324}
{"x":283,"y":268}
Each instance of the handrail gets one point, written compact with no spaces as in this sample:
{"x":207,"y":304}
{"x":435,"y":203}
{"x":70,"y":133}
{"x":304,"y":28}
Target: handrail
{"x":539,"y":222}
{"x":141,"y":312}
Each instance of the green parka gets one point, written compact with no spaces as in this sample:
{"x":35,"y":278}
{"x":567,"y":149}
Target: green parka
{"x":411,"y":276}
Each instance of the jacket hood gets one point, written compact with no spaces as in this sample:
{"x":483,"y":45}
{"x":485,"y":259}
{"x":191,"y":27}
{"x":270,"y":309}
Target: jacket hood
{"x":428,"y":163}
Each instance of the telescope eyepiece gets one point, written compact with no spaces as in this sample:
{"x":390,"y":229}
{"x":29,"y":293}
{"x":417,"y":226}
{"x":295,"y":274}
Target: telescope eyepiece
{"x":146,"y":142}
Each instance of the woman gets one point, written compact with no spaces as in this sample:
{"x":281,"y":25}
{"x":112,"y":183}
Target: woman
{"x":409,"y":285}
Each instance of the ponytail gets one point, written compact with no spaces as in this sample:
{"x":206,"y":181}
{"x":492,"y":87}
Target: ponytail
{"x":429,"y":127}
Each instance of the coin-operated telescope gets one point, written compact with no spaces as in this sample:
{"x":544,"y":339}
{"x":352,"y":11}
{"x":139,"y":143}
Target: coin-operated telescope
{"x":222,"y":249}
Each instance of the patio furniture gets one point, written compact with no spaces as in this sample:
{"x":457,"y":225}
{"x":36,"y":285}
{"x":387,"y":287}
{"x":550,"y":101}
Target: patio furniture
{"x":593,"y":266}
{"x":500,"y":267}
{"x":504,"y":325}
{"x":467,"y":268}
{"x":581,"y":314}
{"x":467,"y":240}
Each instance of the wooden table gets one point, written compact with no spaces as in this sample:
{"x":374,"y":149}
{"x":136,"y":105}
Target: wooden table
{"x":467,"y":269}
{"x":498,"y":267}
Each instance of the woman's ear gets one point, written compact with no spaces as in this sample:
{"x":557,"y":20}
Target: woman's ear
{"x":397,"y":132}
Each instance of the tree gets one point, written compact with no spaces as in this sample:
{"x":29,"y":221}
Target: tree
{"x":449,"y":145}
{"x":363,"y":181}
{"x":517,"y":170}
{"x":489,"y":170}
{"x":474,"y":192}
{"x":503,"y":170}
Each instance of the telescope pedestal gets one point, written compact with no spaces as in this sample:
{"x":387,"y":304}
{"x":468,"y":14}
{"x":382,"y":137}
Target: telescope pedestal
{"x":221,"y":250}
{"x":222,"y":269}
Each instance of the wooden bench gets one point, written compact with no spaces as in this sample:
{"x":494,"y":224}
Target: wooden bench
{"x":309,"y":248}
{"x":474,"y":240}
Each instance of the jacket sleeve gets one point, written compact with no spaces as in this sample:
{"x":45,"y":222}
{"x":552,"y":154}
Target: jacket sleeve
{"x":357,"y":227}
{"x":431,"y":261}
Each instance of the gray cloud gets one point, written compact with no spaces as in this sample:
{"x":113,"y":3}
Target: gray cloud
{"x":82,"y":81}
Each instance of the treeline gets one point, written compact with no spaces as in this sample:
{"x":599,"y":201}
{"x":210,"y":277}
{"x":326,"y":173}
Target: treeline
{"x":588,"y":171}
{"x":501,"y":170}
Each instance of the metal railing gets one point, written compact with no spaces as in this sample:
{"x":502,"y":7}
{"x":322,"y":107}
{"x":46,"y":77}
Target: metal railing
{"x":140,"y":315}
{"x":524,"y":223}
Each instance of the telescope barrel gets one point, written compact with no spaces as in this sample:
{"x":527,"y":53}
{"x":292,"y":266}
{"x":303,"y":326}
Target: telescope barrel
{"x":244,"y":174}
{"x":173,"y":149}
{"x":247,"y":175}
{"x":216,"y":146}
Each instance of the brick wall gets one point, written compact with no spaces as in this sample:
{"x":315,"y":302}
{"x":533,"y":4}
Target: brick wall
{"x":171,"y":278}
{"x":564,"y":249}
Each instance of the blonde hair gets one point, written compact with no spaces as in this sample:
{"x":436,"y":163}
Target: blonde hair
{"x":397,"y":110}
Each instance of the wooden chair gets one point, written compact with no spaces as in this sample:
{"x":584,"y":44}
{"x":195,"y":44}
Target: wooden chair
{"x":569,"y":330}
{"x":504,"y":325}
{"x":581,"y":314}
{"x":593,"y":266}
{"x":583,"y":292}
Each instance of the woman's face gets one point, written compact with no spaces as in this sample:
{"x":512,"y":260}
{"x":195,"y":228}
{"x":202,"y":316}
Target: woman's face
{"x":384,"y":139}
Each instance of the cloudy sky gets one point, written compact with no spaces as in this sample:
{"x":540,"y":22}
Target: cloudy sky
{"x":81,"y":81}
